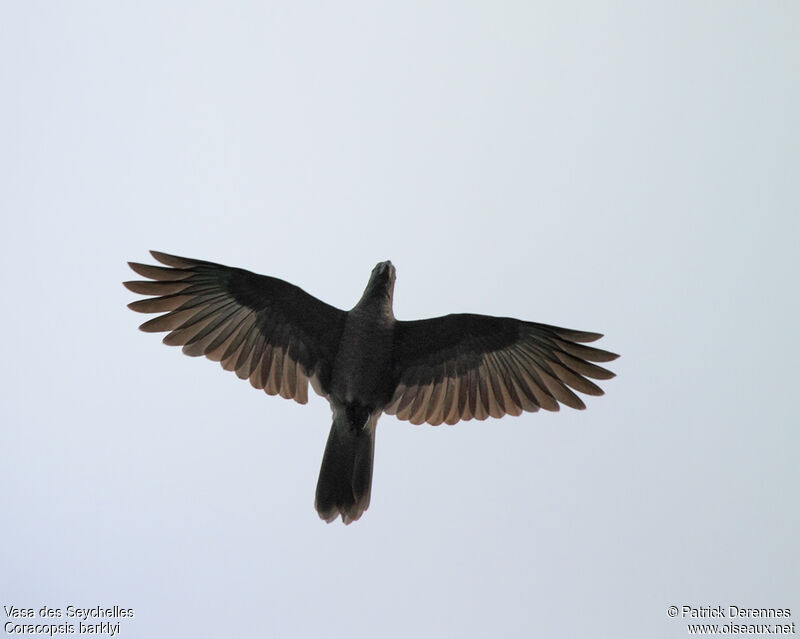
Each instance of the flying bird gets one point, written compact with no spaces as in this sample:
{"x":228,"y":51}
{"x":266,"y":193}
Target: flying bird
{"x":363,"y":361}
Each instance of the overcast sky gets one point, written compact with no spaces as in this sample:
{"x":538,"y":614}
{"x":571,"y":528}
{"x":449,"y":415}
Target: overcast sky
{"x":629,"y":168}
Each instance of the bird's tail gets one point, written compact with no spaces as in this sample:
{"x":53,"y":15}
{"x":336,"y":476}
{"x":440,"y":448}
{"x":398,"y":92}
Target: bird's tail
{"x":345,"y":479}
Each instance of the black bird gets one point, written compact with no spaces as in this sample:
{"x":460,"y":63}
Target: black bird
{"x":363,"y":361}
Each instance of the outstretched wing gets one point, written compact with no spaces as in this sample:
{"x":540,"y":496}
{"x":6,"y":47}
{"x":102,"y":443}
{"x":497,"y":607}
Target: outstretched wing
{"x":266,"y":330}
{"x":460,"y":367}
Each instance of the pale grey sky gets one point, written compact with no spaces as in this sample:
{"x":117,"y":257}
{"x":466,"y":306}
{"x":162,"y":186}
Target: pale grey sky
{"x":629,"y":168}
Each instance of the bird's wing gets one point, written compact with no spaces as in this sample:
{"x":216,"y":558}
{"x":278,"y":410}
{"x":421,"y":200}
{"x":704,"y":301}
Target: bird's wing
{"x":266,"y":330}
{"x":460,"y":367}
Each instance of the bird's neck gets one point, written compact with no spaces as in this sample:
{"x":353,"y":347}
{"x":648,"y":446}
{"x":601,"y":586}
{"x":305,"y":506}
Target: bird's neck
{"x":375,"y":304}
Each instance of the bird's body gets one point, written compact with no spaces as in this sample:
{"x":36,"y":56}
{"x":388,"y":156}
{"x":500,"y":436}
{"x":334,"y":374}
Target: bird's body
{"x":364,"y":361}
{"x":359,"y":392}
{"x":365,"y":351}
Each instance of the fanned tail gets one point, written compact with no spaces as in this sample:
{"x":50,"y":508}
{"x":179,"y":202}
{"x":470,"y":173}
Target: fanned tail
{"x":345,"y":478}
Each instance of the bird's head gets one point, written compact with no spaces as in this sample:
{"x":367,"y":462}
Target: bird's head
{"x":381,"y":284}
{"x":383,"y":276}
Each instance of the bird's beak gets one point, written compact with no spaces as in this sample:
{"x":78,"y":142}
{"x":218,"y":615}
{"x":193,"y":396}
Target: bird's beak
{"x":384,"y":268}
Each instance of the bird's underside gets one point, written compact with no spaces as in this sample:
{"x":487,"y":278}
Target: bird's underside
{"x":364,"y":361}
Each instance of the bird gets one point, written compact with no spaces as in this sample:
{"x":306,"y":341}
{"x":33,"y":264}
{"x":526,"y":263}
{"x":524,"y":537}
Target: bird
{"x":365,"y":362}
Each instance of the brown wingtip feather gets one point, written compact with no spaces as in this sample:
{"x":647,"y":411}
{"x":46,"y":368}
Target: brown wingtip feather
{"x":160,"y":273}
{"x":139,"y":307}
{"x":578,"y":336}
{"x":176,"y":261}
{"x":598,"y":372}
{"x":155,"y":288}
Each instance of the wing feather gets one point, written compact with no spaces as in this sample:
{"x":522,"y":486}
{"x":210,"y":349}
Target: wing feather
{"x":262,"y":328}
{"x":461,"y":367}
